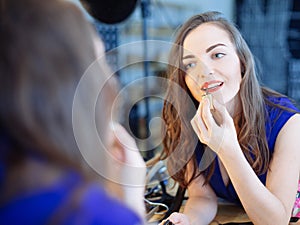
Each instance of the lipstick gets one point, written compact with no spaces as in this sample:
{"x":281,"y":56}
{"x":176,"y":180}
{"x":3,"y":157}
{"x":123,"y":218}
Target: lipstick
{"x":210,"y":98}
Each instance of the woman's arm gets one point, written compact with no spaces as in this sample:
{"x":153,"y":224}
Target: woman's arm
{"x":273,"y":202}
{"x":263,"y":204}
{"x":201,"y":206}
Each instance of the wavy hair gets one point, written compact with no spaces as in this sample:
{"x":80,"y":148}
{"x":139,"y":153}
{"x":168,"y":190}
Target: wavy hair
{"x":252,"y":133}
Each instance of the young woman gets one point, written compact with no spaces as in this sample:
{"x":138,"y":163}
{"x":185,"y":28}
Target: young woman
{"x":251,"y":130}
{"x":46,"y":48}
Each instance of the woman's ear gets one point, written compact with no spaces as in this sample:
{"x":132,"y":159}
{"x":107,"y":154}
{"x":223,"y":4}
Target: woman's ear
{"x":116,"y":149}
{"x":115,"y":161}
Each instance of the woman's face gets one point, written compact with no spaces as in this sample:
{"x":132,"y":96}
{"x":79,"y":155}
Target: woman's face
{"x":211,"y":64}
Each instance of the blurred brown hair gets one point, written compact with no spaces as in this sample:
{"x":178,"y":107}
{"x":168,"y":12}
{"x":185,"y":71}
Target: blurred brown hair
{"x":46,"y":47}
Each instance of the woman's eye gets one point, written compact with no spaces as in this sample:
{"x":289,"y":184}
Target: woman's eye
{"x":218,"y":55}
{"x":189,"y":66}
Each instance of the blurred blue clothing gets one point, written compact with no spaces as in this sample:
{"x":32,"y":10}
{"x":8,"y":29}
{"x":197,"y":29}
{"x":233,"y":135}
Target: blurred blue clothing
{"x":69,"y":201}
{"x":58,"y":205}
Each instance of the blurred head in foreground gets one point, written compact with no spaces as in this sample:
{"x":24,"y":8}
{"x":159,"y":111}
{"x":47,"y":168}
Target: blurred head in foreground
{"x":47,"y":134}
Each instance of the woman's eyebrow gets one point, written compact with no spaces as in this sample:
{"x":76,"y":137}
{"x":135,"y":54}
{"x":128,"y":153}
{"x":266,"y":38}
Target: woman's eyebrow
{"x":188,"y":57}
{"x":207,"y":50}
{"x":213,"y":46}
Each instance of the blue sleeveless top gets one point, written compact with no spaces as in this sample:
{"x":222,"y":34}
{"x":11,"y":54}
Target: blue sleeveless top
{"x":276,"y":118}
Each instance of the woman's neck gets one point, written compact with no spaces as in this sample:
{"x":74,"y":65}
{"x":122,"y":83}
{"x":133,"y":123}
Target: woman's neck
{"x":234,"y":107}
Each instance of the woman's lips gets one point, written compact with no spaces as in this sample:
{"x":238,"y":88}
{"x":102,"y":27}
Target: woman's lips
{"x":212,"y":86}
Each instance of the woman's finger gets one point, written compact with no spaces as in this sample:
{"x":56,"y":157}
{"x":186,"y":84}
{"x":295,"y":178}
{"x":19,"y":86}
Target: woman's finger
{"x":197,"y":130}
{"x":199,"y":127}
{"x":207,"y":117}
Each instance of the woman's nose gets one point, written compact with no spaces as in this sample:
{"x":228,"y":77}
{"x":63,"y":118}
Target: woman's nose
{"x":206,"y":69}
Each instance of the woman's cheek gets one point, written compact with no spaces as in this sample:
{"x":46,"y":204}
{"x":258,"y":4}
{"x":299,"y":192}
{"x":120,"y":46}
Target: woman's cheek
{"x":194,"y":88}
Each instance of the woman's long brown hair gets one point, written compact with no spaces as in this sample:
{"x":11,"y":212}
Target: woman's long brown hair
{"x":252,"y":134}
{"x":46,"y":47}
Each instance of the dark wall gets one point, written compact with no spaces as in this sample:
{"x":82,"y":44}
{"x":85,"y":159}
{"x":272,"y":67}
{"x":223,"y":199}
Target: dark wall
{"x":294,"y":47}
{"x":271,"y":28}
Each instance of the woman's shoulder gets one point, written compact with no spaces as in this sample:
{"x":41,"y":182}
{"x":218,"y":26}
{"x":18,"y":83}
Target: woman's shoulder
{"x":278,"y":106}
{"x":279,"y":109}
{"x":70,"y":200}
{"x":281,"y":102}
{"x":98,"y":207}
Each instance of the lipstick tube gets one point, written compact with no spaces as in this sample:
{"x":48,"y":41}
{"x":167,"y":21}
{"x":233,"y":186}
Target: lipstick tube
{"x":210,"y":98}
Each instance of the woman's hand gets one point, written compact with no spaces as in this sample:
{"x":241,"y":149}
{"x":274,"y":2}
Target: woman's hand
{"x":215,"y":128}
{"x":176,"y":218}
